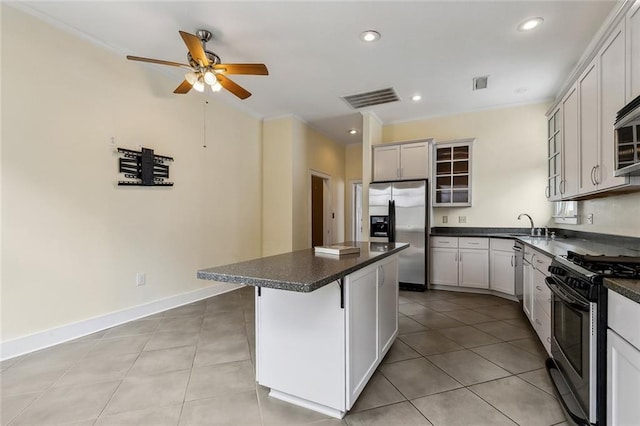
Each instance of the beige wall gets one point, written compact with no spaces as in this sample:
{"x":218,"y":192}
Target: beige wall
{"x":509,"y":163}
{"x":277,"y":186}
{"x":292,"y":150}
{"x":72,"y":240}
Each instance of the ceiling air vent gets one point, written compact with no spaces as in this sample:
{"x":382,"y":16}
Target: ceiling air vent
{"x":480,"y":82}
{"x":377,"y":97}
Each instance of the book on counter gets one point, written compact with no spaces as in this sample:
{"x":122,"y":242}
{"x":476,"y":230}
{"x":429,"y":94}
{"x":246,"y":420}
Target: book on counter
{"x":337,"y":249}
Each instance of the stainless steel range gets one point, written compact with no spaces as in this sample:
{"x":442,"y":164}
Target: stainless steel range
{"x":579,"y":328}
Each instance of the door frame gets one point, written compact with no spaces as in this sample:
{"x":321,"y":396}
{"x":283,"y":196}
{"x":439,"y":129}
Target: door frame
{"x":355,"y":232}
{"x":327,"y":204}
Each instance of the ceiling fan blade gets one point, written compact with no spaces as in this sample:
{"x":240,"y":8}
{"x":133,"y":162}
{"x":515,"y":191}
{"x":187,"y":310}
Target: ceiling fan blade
{"x":253,"y":69}
{"x":195,"y":47}
{"x":233,"y":87}
{"x":157,"y":61}
{"x":184,"y":87}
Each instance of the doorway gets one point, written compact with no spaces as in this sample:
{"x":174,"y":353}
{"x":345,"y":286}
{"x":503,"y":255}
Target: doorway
{"x":320,"y":210}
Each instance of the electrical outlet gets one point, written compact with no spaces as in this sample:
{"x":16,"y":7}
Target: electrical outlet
{"x":590,"y":219}
{"x":141,"y":278}
{"x":445,"y":219}
{"x":462,"y":219}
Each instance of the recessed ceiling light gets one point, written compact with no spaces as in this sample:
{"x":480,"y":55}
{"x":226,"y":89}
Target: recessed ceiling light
{"x":369,"y":35}
{"x":416,"y":98}
{"x":353,"y":131}
{"x":530,"y":23}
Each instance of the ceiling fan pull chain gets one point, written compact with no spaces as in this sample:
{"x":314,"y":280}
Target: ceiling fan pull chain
{"x":204,"y":123}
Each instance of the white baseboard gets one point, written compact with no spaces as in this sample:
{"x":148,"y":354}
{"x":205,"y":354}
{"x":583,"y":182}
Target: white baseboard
{"x":54,"y":336}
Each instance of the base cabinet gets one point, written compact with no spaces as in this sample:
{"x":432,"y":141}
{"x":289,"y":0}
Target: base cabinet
{"x":502,"y":266}
{"x":623,"y":361}
{"x":536,"y":296}
{"x":314,"y":353}
{"x":623,"y":381}
{"x":461,"y":262}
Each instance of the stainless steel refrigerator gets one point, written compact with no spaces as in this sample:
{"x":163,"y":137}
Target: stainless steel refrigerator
{"x":398,"y":212}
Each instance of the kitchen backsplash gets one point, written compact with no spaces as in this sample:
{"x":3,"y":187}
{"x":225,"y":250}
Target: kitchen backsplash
{"x":614,"y":215}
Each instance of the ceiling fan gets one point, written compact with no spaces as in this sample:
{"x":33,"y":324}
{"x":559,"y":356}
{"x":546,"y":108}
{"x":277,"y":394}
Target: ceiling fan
{"x":205,"y":67}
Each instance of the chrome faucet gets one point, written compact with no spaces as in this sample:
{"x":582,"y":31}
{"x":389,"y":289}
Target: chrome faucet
{"x":533,"y":229}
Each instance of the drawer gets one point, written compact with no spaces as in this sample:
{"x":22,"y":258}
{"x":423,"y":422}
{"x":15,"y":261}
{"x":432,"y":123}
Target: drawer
{"x":474,"y":243}
{"x":542,"y":325}
{"x":501,"y":244}
{"x":624,"y":317}
{"x":541,"y":262}
{"x":450,"y":242}
{"x":542,"y":296}
{"x":528,"y":253}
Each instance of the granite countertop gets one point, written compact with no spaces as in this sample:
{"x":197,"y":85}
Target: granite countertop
{"x":301,"y":271}
{"x":627,"y":288}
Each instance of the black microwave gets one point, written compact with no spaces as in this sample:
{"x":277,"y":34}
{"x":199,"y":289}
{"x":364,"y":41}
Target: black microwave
{"x":627,"y":139}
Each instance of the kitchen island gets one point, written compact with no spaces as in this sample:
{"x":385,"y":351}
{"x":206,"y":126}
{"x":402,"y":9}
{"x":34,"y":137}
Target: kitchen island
{"x":323,"y":322}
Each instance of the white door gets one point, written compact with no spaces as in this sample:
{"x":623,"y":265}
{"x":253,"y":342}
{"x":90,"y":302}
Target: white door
{"x":502,"y":272}
{"x":386,"y":163}
{"x":473,"y":269}
{"x":444,"y":266}
{"x":588,"y":109}
{"x":387,"y":304}
{"x":623,"y":381}
{"x":414,"y":161}
{"x":569,"y":183}
{"x":527,"y":290}
{"x":362,"y":329}
{"x":633,"y":37}
{"x":612,"y":98}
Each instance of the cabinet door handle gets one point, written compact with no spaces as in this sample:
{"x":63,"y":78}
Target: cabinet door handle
{"x":549,"y":339}
{"x":512,"y":257}
{"x":538,"y":321}
{"x":547,"y":191}
{"x":539,"y":261}
{"x":474,"y":244}
{"x":563,"y":186}
{"x":538,"y":288}
{"x":593,"y":179}
{"x":595,"y":174}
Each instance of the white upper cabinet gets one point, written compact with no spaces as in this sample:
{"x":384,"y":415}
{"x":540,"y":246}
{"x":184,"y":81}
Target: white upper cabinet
{"x":612,"y":97}
{"x":570,"y":141}
{"x":633,"y":46}
{"x":588,"y":110}
{"x":554,"y":156}
{"x":451,"y":182}
{"x":584,"y":163}
{"x":404,"y":161}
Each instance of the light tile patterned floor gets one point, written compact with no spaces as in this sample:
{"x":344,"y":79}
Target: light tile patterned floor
{"x":460,"y":359}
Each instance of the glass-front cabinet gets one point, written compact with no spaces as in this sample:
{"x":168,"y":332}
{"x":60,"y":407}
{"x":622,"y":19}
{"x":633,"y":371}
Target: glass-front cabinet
{"x":452,"y":173}
{"x":554,"y":156}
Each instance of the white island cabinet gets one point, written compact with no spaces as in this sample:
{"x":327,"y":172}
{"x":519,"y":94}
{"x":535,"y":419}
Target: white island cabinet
{"x":323,"y":323}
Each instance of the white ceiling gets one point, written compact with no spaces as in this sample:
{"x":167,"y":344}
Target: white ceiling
{"x":315,"y":56}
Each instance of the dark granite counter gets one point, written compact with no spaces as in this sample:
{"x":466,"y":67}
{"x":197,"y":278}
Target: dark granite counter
{"x":301,"y":271}
{"x":627,"y":288}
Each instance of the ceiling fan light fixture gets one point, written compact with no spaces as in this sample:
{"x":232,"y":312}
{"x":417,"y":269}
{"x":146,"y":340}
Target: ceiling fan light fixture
{"x":216,"y":87}
{"x":191,"y":77}
{"x":199,"y":85}
{"x":210,"y":77}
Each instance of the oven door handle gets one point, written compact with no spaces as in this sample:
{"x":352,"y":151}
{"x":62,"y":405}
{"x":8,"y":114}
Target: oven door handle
{"x":566,"y":297}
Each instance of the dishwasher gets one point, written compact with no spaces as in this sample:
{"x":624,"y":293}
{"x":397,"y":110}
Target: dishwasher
{"x":519,"y":259}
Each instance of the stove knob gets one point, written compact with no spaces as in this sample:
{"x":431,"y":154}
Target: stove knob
{"x":557,"y":271}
